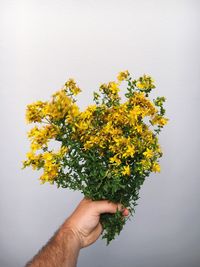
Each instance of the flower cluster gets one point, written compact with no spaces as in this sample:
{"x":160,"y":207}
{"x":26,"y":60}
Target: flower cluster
{"x":105,"y":151}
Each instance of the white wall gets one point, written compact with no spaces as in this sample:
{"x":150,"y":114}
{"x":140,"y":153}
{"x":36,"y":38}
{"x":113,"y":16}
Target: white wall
{"x":43,"y":43}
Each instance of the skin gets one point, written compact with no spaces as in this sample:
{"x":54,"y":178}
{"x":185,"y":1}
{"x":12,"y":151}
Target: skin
{"x":81,"y":229}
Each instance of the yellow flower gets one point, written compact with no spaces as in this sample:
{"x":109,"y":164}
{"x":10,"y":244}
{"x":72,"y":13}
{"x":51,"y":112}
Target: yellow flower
{"x":73,"y":112}
{"x":121,"y":141}
{"x":30,"y":155}
{"x":70,"y":83}
{"x":40,"y":137}
{"x":134,"y":113}
{"x":148,"y":153}
{"x":111,"y":90}
{"x":123,"y":75}
{"x":35,"y":112}
{"x":73,"y":88}
{"x":59,"y":107}
{"x":87,"y":114}
{"x":76,"y":90}
{"x":140,"y":85}
{"x":91,"y":142}
{"x":114,"y":87}
{"x":118,"y":133}
{"x":115,"y":160}
{"x":47,"y":156}
{"x":162,"y":121}
{"x":82,"y":125}
{"x":63,"y":150}
{"x":146,"y":164}
{"x":32,"y":160}
{"x":50,"y":172}
{"x":51,"y":167}
{"x":129,"y":152}
{"x":126,"y":170}
{"x":145,"y":82}
{"x":159,"y":120}
{"x":35,"y":146}
{"x":156,"y":167}
{"x":139,"y":128}
{"x":108,"y":127}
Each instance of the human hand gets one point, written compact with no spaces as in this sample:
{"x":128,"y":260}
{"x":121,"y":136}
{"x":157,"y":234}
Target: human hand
{"x":84,"y":221}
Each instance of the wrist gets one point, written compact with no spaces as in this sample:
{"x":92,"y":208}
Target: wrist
{"x":70,"y":234}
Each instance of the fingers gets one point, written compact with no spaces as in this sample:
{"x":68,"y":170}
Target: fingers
{"x":94,"y":235}
{"x":99,"y":229}
{"x":104,"y":206}
{"x":126,"y":212}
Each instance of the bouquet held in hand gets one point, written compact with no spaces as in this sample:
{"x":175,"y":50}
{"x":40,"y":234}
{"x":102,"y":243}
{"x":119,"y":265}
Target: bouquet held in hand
{"x":105,"y":151}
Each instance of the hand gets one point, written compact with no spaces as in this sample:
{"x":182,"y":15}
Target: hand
{"x":84,"y":221}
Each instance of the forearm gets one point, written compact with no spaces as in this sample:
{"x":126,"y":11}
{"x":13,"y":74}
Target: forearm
{"x":62,"y":250}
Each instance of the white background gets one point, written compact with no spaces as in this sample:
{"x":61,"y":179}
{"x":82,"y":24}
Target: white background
{"x":42,"y":44}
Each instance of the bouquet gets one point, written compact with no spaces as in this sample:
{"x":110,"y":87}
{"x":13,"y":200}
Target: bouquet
{"x":105,"y":151}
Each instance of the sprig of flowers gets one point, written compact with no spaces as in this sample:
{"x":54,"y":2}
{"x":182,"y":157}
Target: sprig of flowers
{"x":105,"y":151}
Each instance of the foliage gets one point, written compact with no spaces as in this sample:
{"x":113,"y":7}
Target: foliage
{"x":107,"y":150}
